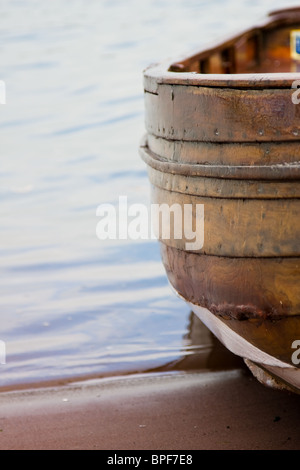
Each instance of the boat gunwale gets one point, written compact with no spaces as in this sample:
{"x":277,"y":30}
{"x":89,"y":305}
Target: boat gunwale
{"x":161,"y":76}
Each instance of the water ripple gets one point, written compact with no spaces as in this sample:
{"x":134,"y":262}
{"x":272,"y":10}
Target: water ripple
{"x":91,"y":125}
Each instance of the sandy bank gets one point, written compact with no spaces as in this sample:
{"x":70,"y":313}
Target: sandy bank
{"x":199,"y":410}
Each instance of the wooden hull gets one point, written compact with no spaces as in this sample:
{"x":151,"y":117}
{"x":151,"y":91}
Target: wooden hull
{"x":223,"y":131}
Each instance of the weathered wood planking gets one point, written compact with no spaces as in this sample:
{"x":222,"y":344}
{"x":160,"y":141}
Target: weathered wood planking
{"x":240,"y":227}
{"x":224,"y":188}
{"x":240,"y":288}
{"x":275,"y":172}
{"x":220,"y":153}
{"x":223,"y":130}
{"x":204,"y":114}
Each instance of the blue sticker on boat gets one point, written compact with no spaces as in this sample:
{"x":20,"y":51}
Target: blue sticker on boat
{"x":298,"y":44}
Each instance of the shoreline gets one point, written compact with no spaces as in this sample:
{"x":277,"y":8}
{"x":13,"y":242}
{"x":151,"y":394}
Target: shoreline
{"x":211,"y":356}
{"x":206,"y":400}
{"x":155,"y":411}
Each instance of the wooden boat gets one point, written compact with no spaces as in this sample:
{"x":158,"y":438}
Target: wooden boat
{"x":223,"y":130}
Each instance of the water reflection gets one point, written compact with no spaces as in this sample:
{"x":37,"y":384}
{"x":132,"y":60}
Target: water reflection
{"x":202,"y":351}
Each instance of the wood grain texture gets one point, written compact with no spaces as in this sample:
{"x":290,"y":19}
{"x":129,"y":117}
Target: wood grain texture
{"x":216,"y":153}
{"x":240,"y":227}
{"x":281,"y":171}
{"x":240,"y":288}
{"x":204,"y":114}
{"x":224,"y":188}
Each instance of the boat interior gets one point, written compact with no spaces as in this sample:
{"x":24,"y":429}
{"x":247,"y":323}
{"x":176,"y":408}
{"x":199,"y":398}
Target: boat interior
{"x":271,"y":48}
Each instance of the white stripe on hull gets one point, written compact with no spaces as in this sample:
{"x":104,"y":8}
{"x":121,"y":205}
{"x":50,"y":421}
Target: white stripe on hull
{"x":243,"y":348}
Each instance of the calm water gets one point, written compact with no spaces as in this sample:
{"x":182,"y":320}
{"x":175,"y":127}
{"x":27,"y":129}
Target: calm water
{"x":71,"y":304}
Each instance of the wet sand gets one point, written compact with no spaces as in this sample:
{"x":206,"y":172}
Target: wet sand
{"x":161,"y":411}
